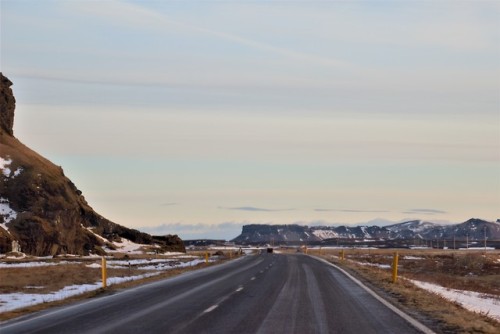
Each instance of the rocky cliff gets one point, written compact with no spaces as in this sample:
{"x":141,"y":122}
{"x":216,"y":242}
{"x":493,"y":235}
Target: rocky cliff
{"x":42,"y":212}
{"x":7,"y":106}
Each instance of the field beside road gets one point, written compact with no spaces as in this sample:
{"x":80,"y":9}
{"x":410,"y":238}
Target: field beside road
{"x":458,"y":289}
{"x":33,"y":284}
{"x":29,"y":284}
{"x":262,"y":293}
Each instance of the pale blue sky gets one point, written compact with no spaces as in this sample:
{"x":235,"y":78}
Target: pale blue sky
{"x":195,"y":117}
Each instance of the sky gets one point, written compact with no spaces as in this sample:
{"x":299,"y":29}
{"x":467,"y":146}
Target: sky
{"x":198,"y":117}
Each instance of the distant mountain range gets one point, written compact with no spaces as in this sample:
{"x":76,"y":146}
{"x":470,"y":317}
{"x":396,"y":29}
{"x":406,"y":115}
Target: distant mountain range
{"x":471,"y":230}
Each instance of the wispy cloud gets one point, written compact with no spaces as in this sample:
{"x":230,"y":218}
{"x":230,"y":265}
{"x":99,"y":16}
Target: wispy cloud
{"x":425,"y":211}
{"x":134,"y":14}
{"x":350,"y":210}
{"x":168,"y":204}
{"x":252,"y":208}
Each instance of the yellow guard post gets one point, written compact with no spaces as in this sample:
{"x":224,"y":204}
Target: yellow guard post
{"x":104,"y":273}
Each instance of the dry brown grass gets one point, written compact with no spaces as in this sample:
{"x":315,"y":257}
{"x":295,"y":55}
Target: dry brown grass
{"x":49,"y":279}
{"x":465,"y":270}
{"x":53,"y":278}
{"x":440,"y":267}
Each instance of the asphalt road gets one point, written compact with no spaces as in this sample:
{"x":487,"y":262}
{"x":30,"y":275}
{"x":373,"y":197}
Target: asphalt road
{"x":268,"y":293}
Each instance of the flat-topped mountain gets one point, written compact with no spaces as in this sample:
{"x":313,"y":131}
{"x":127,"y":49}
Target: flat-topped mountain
{"x":42,"y":212}
{"x":472,"y":230}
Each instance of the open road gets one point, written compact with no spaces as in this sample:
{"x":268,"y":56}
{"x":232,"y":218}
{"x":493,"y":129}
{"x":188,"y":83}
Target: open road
{"x":267,"y":293}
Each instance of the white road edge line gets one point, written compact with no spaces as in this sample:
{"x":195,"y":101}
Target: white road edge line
{"x":211,"y":308}
{"x":415,"y":323}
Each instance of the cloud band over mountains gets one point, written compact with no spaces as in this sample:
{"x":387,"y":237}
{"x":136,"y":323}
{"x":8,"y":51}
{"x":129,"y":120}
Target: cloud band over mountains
{"x":350,"y":210}
{"x":425,"y":211}
{"x":255,"y":209}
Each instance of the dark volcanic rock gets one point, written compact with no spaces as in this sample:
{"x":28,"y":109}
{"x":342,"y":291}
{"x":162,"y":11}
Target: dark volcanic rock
{"x":43,"y":212}
{"x":275,"y":233}
{"x":7,"y":106}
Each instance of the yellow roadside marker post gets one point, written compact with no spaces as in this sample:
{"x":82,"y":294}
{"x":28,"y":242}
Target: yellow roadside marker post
{"x":104,"y":273}
{"x":206,"y":257}
{"x":395,"y":267}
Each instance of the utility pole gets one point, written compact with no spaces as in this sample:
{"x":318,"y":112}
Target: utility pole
{"x":484,"y":237}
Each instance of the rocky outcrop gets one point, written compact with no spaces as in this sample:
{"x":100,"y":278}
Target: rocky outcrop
{"x":42,"y":212}
{"x":7,"y":106}
{"x":257,"y":233}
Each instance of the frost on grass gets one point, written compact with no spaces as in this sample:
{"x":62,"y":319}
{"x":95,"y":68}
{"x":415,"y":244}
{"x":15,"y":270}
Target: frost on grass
{"x":486,"y":304}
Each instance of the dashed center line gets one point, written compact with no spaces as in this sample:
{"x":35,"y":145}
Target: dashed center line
{"x":239,"y":289}
{"x":252,"y":278}
{"x":211,"y":308}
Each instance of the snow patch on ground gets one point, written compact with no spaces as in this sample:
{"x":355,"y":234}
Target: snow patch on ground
{"x":6,"y":212}
{"x":3,"y":166}
{"x":6,"y":170}
{"x":325,"y":234}
{"x":34,"y":264}
{"x":486,"y":304}
{"x":125,"y":246}
{"x":12,"y":301}
{"x":17,"y":172}
{"x":379,"y":265}
{"x":90,"y":229}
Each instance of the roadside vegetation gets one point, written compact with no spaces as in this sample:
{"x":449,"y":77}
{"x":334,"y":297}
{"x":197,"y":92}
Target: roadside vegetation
{"x":32,"y":276}
{"x":469,"y":270}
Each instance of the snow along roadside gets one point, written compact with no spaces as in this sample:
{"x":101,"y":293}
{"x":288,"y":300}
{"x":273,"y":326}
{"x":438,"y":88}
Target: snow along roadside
{"x":13,"y":301}
{"x":403,"y":315}
{"x":485,"y":304}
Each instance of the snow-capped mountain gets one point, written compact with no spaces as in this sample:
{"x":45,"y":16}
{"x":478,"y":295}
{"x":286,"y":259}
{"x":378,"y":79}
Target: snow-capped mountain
{"x":412,"y":229}
{"x":473,"y":229}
